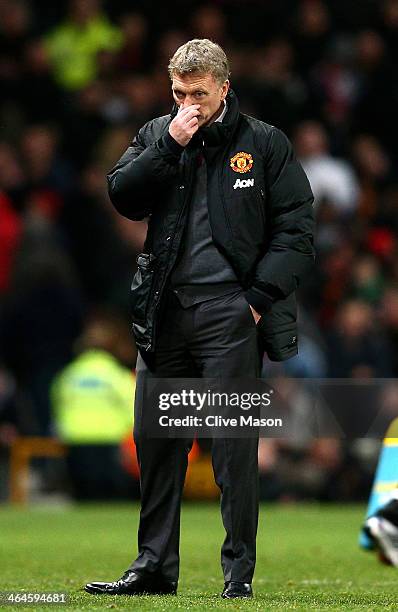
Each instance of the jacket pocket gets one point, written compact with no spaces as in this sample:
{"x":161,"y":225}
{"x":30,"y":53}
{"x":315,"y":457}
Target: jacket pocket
{"x":141,"y":287}
{"x":142,"y":336}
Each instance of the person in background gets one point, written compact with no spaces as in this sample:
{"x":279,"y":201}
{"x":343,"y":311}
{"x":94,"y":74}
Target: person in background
{"x":382,"y":529}
{"x":92,"y":409}
{"x":73,"y":46}
{"x":356,"y":347}
{"x":331,"y":179}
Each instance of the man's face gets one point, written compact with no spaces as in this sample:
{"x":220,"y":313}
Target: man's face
{"x":200,"y":89}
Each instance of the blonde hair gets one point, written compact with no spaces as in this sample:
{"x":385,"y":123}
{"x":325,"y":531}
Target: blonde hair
{"x":200,"y":55}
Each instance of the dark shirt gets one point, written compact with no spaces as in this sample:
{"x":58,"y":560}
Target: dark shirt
{"x":202,"y":272}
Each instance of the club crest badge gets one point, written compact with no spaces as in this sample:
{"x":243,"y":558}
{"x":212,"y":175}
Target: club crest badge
{"x":241,"y":162}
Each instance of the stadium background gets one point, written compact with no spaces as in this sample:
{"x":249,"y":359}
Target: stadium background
{"x":77,"y":80}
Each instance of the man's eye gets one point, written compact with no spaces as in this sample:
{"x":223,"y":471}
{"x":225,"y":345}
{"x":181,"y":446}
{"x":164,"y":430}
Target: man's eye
{"x":199,"y":94}
{"x":179,"y":94}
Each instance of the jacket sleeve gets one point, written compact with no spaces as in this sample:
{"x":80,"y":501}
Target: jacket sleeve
{"x":136,"y":181}
{"x":290,"y":254}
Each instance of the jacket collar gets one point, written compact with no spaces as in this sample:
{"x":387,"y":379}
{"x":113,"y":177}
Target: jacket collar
{"x":220,"y":131}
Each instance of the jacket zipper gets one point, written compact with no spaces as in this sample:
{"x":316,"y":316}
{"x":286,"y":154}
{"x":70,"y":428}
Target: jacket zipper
{"x":262,"y":204}
{"x":161,"y":288}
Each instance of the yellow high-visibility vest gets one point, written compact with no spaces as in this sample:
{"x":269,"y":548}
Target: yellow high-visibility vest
{"x":73,"y":50}
{"x":92,"y":400}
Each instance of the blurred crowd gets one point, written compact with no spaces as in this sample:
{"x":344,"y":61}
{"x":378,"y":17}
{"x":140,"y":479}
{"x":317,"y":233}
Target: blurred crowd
{"x":77,"y":80}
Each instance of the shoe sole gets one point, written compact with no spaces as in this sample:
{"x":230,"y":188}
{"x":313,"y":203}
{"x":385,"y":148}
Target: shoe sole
{"x":380,"y":531}
{"x":138,"y":594}
{"x":237,"y":597}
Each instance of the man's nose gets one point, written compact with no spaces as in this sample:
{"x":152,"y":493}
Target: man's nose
{"x":188,"y":102}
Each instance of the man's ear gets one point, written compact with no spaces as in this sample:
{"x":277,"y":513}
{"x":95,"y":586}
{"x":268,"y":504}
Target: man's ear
{"x":225,"y":89}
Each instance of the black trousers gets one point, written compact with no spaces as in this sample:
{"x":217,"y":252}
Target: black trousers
{"x":215,"y":338}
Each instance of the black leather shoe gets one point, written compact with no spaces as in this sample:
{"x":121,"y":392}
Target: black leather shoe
{"x":233,"y":590}
{"x":133,"y":584}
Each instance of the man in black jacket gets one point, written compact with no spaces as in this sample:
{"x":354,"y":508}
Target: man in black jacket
{"x":230,"y":226}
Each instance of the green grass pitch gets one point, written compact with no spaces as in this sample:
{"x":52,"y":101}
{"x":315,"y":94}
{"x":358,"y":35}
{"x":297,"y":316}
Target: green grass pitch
{"x":308,"y":558}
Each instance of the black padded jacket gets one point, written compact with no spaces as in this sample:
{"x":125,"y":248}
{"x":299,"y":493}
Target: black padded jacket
{"x":260,"y":212}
